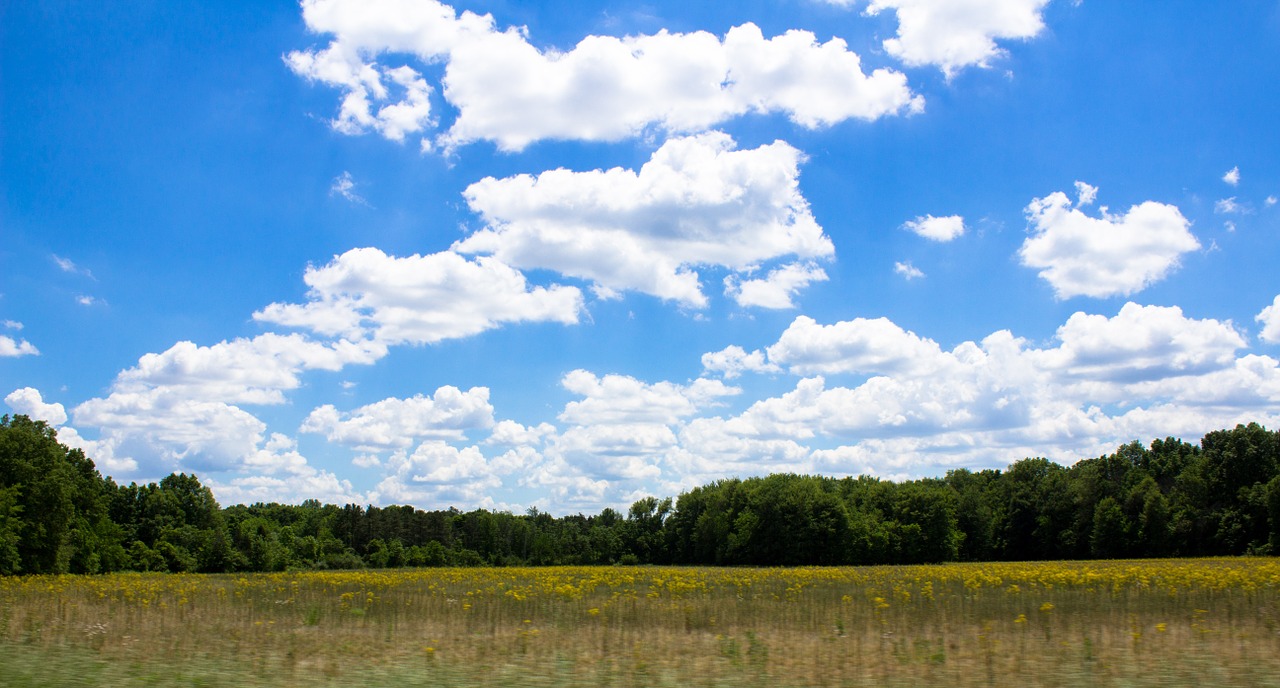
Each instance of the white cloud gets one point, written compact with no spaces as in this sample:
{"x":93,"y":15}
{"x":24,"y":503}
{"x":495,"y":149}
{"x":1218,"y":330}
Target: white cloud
{"x":299,"y":484}
{"x":620,"y":399}
{"x":1232,"y":176}
{"x":1271,"y":200}
{"x":936,"y":228}
{"x":344,"y":185}
{"x":603,"y":89}
{"x":1113,"y":255}
{"x":437,"y":474}
{"x":1270,"y":319}
{"x":855,"y":346}
{"x":29,"y":402}
{"x":1085,"y":194}
{"x":163,"y":431}
{"x":1142,"y":343}
{"x":12,"y":324}
{"x":398,"y":423}
{"x":696,"y":202}
{"x":366,"y":87}
{"x":10,"y":347}
{"x":419,"y":299}
{"x":1146,"y":372}
{"x":67,"y":265}
{"x":512,"y":434}
{"x":953,"y":34}
{"x":907,"y":270}
{"x":776,"y":289}
{"x":245,"y":371}
{"x":177,"y":409}
{"x":733,"y":360}
{"x":1229,"y":206}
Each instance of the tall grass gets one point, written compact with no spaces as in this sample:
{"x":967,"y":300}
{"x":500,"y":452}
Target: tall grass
{"x":1169,"y":622}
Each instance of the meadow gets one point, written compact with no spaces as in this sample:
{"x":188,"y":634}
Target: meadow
{"x":1115,"y":623}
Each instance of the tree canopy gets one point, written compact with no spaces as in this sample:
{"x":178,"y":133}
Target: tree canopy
{"x":1169,"y":498}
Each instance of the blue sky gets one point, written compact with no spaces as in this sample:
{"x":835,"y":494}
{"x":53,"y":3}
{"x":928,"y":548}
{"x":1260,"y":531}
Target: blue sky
{"x":566,"y":254}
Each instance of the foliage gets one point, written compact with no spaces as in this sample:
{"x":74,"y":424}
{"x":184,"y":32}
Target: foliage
{"x":57,"y":514}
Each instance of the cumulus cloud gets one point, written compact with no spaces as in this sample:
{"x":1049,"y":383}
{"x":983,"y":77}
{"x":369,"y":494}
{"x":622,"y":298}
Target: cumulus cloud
{"x":936,"y":228}
{"x":436,"y":475}
{"x":10,"y":347}
{"x":250,"y":371}
{"x":698,"y":201}
{"x":1112,"y":255}
{"x":397,"y":423}
{"x":510,"y":92}
{"x":1142,"y":343}
{"x":733,"y":360}
{"x":953,"y":34}
{"x":369,"y":103}
{"x":419,"y":299}
{"x":278,"y":473}
{"x":623,"y":427}
{"x":1270,"y":319}
{"x":854,"y":346}
{"x":777,"y":288}
{"x":620,"y":399}
{"x":29,"y":402}
{"x":179,"y":407}
{"x":1232,"y":176}
{"x":1145,"y":372}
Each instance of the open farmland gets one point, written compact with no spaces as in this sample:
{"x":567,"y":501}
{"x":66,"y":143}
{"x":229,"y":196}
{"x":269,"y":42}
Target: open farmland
{"x":1168,"y":622}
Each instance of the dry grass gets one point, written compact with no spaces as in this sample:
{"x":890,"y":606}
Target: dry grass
{"x":1179,"y":622}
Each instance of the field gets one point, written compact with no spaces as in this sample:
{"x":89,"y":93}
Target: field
{"x":1123,"y":623}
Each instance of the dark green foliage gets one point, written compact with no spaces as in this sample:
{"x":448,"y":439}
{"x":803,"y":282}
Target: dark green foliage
{"x":57,"y":514}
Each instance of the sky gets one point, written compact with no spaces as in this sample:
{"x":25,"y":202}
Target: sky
{"x":568,"y":254}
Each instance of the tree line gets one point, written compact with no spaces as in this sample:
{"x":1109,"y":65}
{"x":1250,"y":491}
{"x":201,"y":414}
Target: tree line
{"x":58,"y":514}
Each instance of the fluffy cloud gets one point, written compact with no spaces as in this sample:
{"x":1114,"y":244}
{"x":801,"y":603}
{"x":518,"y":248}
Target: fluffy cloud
{"x":278,"y":473}
{"x":1142,"y":343}
{"x":619,"y":399}
{"x":1232,"y":176}
{"x":936,"y":228}
{"x":365,"y":85}
{"x":397,"y":423}
{"x":777,"y":288}
{"x":10,"y":347}
{"x":178,"y":409}
{"x":437,"y":475}
{"x":623,"y":427}
{"x":244,"y":371}
{"x":1112,"y":255}
{"x":1145,"y":357}
{"x":953,"y":34}
{"x":419,"y":299}
{"x":856,"y":346}
{"x":733,"y":360}
{"x":29,"y":402}
{"x":508,"y":91}
{"x":1270,"y":319}
{"x":698,"y":201}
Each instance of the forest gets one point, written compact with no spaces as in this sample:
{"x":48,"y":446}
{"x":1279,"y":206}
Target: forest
{"x":1171,"y":498}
